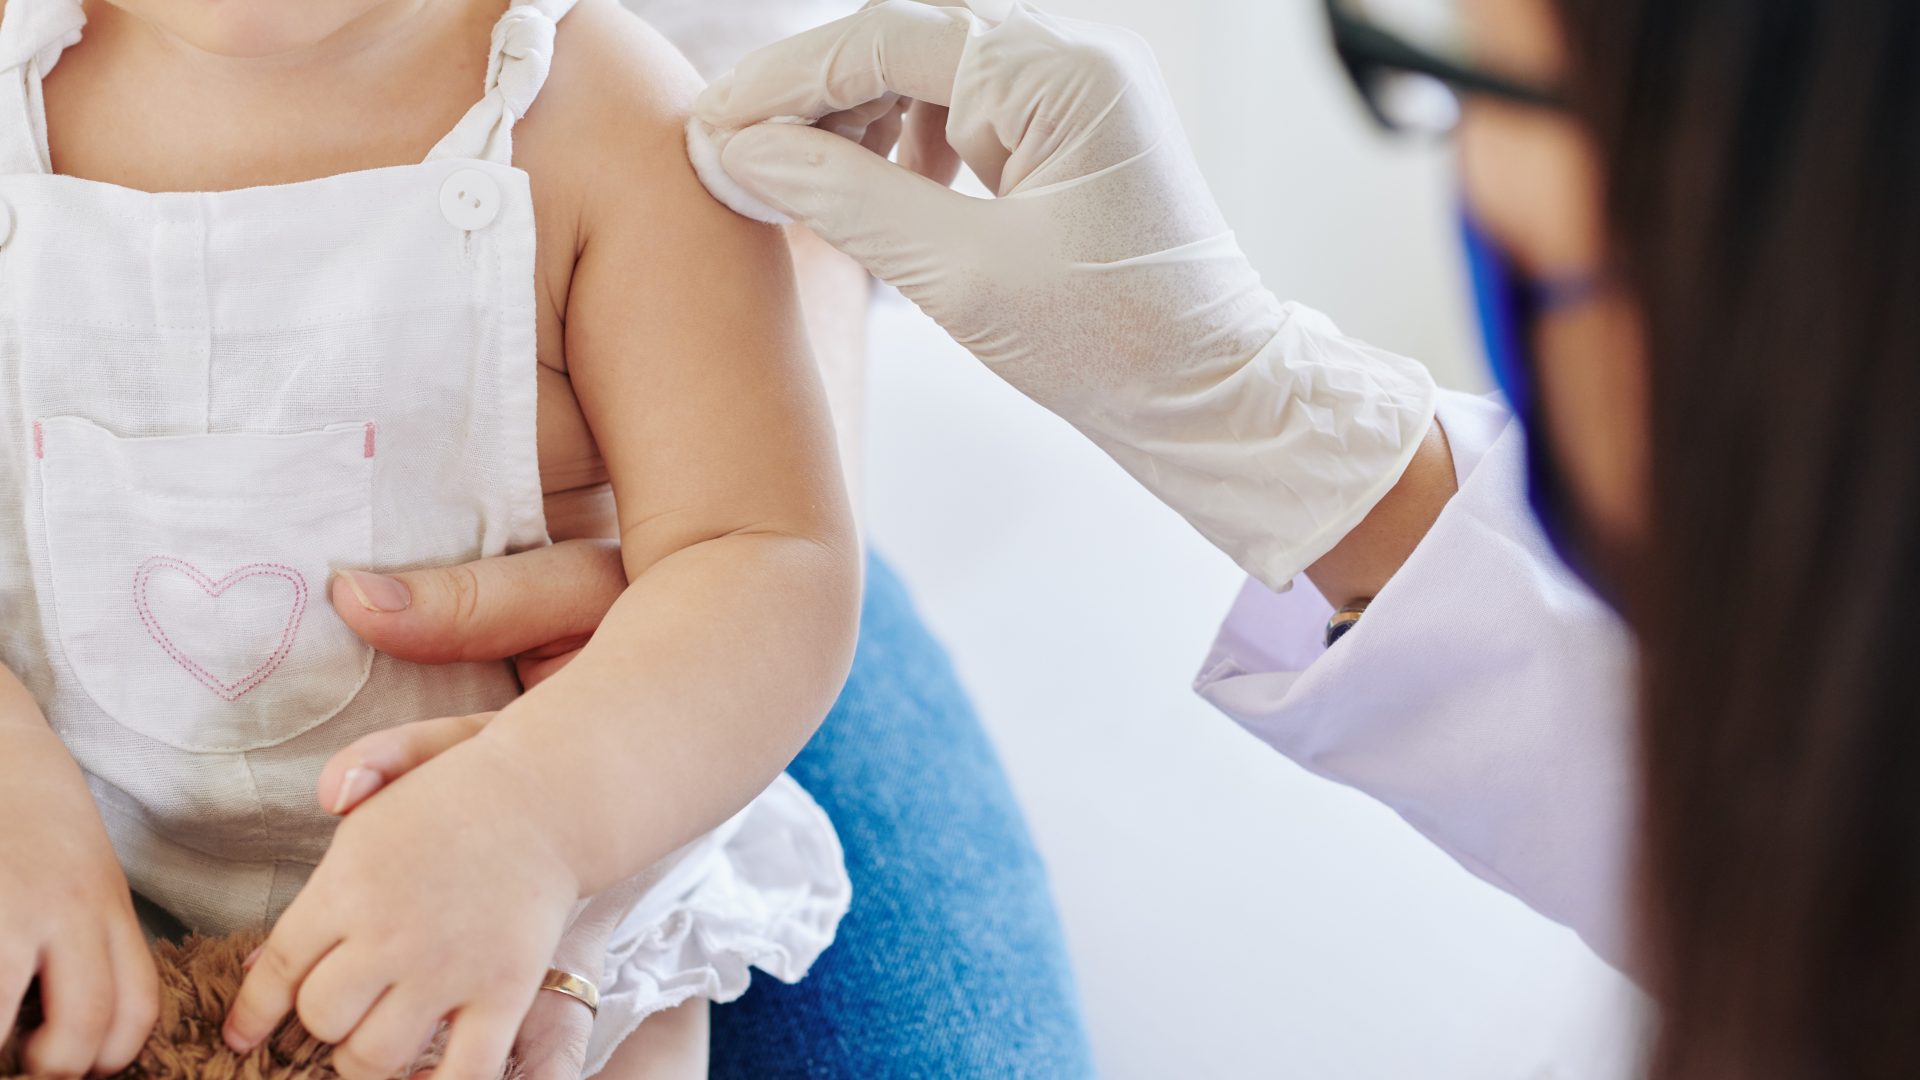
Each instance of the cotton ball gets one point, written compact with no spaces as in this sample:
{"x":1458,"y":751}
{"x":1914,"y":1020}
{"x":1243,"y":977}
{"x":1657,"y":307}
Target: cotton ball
{"x":705,"y":144}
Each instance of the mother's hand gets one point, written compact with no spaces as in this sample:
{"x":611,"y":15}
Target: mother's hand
{"x":537,"y":608}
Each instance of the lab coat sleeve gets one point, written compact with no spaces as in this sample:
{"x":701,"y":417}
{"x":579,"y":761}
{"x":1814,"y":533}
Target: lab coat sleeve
{"x":1485,"y":695}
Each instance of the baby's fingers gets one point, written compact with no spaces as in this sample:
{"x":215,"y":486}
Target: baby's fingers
{"x":18,"y":961}
{"x":267,"y":993}
{"x":136,"y":998}
{"x":77,"y":995}
{"x":391,"y":1038}
{"x":355,"y":773}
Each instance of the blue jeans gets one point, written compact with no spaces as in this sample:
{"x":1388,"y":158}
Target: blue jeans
{"x":951,"y":963}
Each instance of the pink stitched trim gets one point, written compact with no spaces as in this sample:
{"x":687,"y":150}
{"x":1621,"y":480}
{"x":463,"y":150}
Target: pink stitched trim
{"x":39,"y":442}
{"x":234,"y":691}
{"x":369,"y":448}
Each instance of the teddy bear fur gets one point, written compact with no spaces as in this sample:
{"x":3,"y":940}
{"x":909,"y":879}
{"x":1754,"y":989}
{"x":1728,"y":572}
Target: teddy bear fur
{"x":199,"y":978}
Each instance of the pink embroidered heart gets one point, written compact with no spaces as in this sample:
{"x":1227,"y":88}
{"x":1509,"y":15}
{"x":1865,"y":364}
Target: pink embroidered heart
{"x":234,"y":691}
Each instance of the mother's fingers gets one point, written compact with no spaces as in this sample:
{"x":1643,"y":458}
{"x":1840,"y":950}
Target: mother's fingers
{"x":493,"y":609}
{"x":552,"y":1044}
{"x":372,"y":762}
{"x":535,"y":669}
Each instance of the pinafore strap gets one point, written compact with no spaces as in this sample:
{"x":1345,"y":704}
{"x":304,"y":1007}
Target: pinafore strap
{"x":33,"y":34}
{"x":516,"y":70}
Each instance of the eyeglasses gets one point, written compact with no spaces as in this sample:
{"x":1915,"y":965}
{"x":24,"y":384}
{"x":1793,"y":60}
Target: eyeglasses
{"x":1407,"y":58}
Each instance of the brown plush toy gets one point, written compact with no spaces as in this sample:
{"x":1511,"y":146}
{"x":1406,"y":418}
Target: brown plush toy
{"x":199,"y":978}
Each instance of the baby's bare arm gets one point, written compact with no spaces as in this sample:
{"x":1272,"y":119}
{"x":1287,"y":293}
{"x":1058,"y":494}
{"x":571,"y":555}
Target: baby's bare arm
{"x":689,"y":358}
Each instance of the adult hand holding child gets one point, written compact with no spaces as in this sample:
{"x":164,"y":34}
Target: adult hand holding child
{"x":537,"y":608}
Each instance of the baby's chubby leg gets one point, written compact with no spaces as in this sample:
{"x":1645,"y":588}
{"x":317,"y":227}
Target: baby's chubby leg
{"x":670,"y":1045}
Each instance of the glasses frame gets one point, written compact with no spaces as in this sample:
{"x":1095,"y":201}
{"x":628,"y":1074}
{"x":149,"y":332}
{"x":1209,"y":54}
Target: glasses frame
{"x":1367,"y":50}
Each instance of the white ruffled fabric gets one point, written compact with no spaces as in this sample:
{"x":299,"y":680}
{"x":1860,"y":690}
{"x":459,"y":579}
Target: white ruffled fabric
{"x":766,"y":890}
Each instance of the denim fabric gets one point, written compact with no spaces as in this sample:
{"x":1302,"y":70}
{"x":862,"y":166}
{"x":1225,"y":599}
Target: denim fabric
{"x":951,"y":963}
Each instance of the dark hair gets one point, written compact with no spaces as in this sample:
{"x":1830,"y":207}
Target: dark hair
{"x":1763,"y":187}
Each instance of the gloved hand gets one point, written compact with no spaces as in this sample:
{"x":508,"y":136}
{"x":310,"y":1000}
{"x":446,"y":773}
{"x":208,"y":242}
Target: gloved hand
{"x":1103,"y":282}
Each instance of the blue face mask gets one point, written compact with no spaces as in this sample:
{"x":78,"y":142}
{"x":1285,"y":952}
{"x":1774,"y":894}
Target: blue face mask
{"x":1511,"y":305}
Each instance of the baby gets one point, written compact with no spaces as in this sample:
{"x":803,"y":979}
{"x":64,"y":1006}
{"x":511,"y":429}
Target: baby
{"x":272,"y":314}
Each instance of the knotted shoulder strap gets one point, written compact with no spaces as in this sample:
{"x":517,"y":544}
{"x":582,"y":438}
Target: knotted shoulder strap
{"x":516,"y":70}
{"x":33,"y":34}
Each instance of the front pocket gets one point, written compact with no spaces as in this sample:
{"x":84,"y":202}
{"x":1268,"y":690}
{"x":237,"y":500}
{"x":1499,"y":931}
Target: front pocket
{"x":190,"y":574}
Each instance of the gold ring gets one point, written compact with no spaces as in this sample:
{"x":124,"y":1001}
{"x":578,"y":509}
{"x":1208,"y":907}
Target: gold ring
{"x":575,"y":987}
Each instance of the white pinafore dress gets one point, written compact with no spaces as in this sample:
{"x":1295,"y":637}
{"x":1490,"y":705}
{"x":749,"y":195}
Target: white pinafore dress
{"x":209,"y":401}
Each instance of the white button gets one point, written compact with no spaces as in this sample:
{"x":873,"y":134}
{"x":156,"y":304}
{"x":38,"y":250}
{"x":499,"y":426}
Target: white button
{"x":470,"y":199}
{"x":6,"y":222}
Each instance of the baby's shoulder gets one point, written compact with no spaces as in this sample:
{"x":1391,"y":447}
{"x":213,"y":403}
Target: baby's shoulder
{"x":615,"y":102}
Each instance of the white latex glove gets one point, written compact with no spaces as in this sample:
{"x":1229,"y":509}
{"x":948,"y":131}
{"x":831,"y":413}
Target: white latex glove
{"x":1103,"y":282}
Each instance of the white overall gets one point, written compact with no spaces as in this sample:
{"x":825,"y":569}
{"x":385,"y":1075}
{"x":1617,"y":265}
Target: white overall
{"x":208,"y":403}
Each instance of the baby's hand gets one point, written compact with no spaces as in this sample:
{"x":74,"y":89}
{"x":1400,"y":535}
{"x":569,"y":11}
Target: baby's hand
{"x":552,"y":1044}
{"x":354,"y":774}
{"x":66,"y":916}
{"x":438,"y":898}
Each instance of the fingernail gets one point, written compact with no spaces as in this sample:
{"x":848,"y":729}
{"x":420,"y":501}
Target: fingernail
{"x":252,"y":957}
{"x":354,"y":788}
{"x":378,"y":593}
{"x":235,"y":1042}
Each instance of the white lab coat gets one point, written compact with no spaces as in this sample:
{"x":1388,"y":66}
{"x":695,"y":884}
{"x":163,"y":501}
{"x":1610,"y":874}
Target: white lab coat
{"x":1485,"y":696}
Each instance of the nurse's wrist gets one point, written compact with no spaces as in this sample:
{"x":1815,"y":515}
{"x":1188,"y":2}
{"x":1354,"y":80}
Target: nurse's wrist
{"x":1369,"y":556}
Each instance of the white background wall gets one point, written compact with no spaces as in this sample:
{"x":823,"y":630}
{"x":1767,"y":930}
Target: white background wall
{"x":1230,"y":916}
